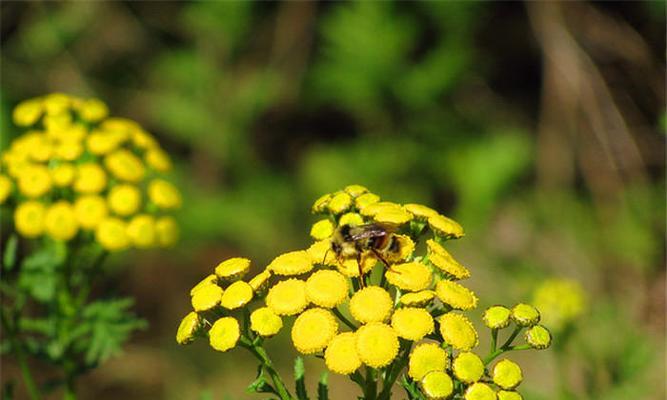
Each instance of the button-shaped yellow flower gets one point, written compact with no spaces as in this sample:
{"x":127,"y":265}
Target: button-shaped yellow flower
{"x":351,"y":219}
{"x":445,"y":227}
{"x":29,"y":219}
{"x":164,"y":194}
{"x":468,"y":367}
{"x":457,"y":296}
{"x":507,"y":374}
{"x":320,"y":253}
{"x":287,"y":297}
{"x":497,"y":317}
{"x":327,"y":288}
{"x":439,"y":257}
{"x":509,"y":395}
{"x":167,"y":231}
{"x":420,"y":212}
{"x":237,"y":295}
{"x":124,"y":199}
{"x":60,"y":221}
{"x":479,"y":391}
{"x":395,"y":216}
{"x":417,"y":299}
{"x":313,"y":330}
{"x":292,"y":263}
{"x":340,"y":203}
{"x":63,"y":174}
{"x":377,"y":344}
{"x":437,"y":385}
{"x":405,"y":246}
{"x":206,"y":297}
{"x":424,"y":358}
{"x":260,"y":281}
{"x":322,"y":229}
{"x":320,"y":205}
{"x":90,"y":210}
{"x":210,"y":279}
{"x":90,"y":178}
{"x":371,"y":304}
{"x":341,"y":354}
{"x":28,"y":112}
{"x":458,"y":331}
{"x":350,"y":268}
{"x":102,"y":143}
{"x":125,"y":166}
{"x":412,"y":323}
{"x":188,"y":327}
{"x":141,"y":231}
{"x":355,"y":190}
{"x":57,"y":103}
{"x":111,"y":234}
{"x":413,"y":276}
{"x":92,"y":110}
{"x":158,"y":160}
{"x":265,"y":322}
{"x":69,"y":150}
{"x":365,"y":200}
{"x":538,"y":337}
{"x":224,"y":334}
{"x":525,"y":315}
{"x":34,"y":181}
{"x":233,"y":268}
{"x":5,"y":188}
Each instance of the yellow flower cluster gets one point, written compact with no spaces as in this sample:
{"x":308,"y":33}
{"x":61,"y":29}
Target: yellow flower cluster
{"x":77,"y":170}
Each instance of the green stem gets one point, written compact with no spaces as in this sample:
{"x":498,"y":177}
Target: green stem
{"x":494,"y":339}
{"x":346,"y":321}
{"x":28,"y":380}
{"x":259,"y":352}
{"x":394,"y":372}
{"x":370,"y":391}
{"x":514,"y":334}
{"x":507,"y":346}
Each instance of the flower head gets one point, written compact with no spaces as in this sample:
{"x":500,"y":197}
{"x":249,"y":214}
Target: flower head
{"x":377,"y":344}
{"x":233,"y":268}
{"x":525,"y":315}
{"x":124,"y":199}
{"x":352,"y":219}
{"x":29,"y":219}
{"x":412,"y":323}
{"x":224,"y":334}
{"x":497,"y":317}
{"x":538,"y":337}
{"x":479,"y":391}
{"x":141,"y":231}
{"x":468,"y":367}
{"x":413,"y":276}
{"x":292,"y":263}
{"x":188,"y":328}
{"x":287,"y":297}
{"x":445,"y":227}
{"x":322,"y":229}
{"x":111,"y":233}
{"x":424,"y":358}
{"x":440,"y":258}
{"x":458,"y":331}
{"x":60,"y":221}
{"x":509,"y":395}
{"x":206,"y":297}
{"x":457,"y":296}
{"x":313,"y":330}
{"x":420,"y":212}
{"x":341,"y":354}
{"x":417,"y":299}
{"x":371,"y":304}
{"x":327,"y":288}
{"x":265,"y":322}
{"x":237,"y":295}
{"x":437,"y":385}
{"x":366,"y":199}
{"x":211,"y":279}
{"x":339,"y":203}
{"x":507,"y":374}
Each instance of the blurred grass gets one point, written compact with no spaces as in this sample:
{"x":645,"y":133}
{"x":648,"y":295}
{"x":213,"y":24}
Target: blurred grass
{"x":265,"y":106}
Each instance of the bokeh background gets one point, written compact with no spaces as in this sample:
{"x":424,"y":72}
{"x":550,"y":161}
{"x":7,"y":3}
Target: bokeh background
{"x":540,"y":126}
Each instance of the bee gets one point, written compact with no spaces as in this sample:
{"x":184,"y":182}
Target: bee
{"x":356,"y":241}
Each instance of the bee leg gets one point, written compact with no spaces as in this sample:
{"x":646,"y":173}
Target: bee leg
{"x":361,"y":271}
{"x":378,"y":255}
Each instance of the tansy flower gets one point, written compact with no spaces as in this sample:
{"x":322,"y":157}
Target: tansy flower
{"x":125,"y":166}
{"x":507,"y":374}
{"x":374,"y":208}
{"x":377,"y":344}
{"x":237,"y":295}
{"x":206,"y":297}
{"x":34,"y":181}
{"x":63,"y":174}
{"x":355,"y":190}
{"x":365,"y":200}
{"x":417,"y":299}
{"x":413,"y":276}
{"x":313,"y":330}
{"x":424,"y":358}
{"x":141,"y":231}
{"x":167,"y":231}
{"x":371,"y":304}
{"x":525,"y":315}
{"x":124,"y":199}
{"x":260,"y":281}
{"x":292,"y":263}
{"x":497,"y":317}
{"x":42,"y":150}
{"x":101,"y":142}
{"x":224,"y":334}
{"x":69,"y":150}
{"x":111,"y":233}
{"x":29,"y":219}
{"x":468,"y":367}
{"x":350,"y":268}
{"x":90,"y":210}
{"x":164,"y":194}
{"x":412,"y":323}
{"x":188,"y":328}
{"x":92,"y":110}
{"x":352,"y":219}
{"x":211,"y":279}
{"x":405,"y":247}
{"x":56,"y":103}
{"x":420,"y":212}
{"x":143,"y":139}
{"x":265,"y":322}
{"x":439,"y":257}
{"x":445,"y":227}
{"x":437,"y":385}
{"x":479,"y":391}
{"x":60,"y":221}
{"x":90,"y":178}
{"x":509,"y":395}
{"x":158,"y":160}
{"x":320,"y":253}
{"x":320,"y":205}
{"x":27,"y":112}
{"x":322,"y":229}
{"x":455,"y":295}
{"x":326,"y":288}
{"x":233,"y":268}
{"x":395,"y":216}
{"x":5,"y":188}
{"x":287,"y":297}
{"x":339,"y":203}
{"x":538,"y":337}
{"x":341,"y":354}
{"x":457,"y":331}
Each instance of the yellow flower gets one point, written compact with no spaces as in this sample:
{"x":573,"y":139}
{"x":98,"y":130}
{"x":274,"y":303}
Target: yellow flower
{"x":341,"y":354}
{"x":287,"y":297}
{"x":158,"y":160}
{"x":206,"y":297}
{"x":167,"y":231}
{"x":468,"y":367}
{"x":437,"y":385}
{"x":340,"y":203}
{"x":34,"y":181}
{"x":29,"y":219}
{"x":497,"y":317}
{"x":355,"y":190}
{"x":413,"y":276}
{"x":42,"y":150}
{"x":60,"y":221}
{"x":5,"y":188}
{"x":224,"y":334}
{"x":322,"y":229}
{"x":260,"y":281}
{"x":313,"y":330}
{"x":69,"y":150}
{"x":211,"y":279}
{"x":509,"y":395}
{"x":141,"y":231}
{"x":90,"y":210}
{"x":320,"y":205}
{"x":365,"y":200}
{"x":405,"y":247}
{"x":457,"y":296}
{"x":538,"y":337}
{"x":350,"y":268}
{"x":101,"y":142}
{"x":63,"y":174}
{"x":326,"y":288}
{"x":377,"y":344}
{"x":125,"y":166}
{"x":92,"y":110}
{"x":143,"y":139}
{"x":164,"y":194}
{"x":457,"y":331}
{"x":265,"y":322}
{"x":28,"y":112}
{"x":395,"y":216}
{"x":479,"y":391}
{"x":417,"y":299}
{"x":119,"y":126}
{"x":111,"y":233}
{"x":525,"y":315}
{"x":233,"y":268}
{"x":445,"y":227}
{"x":424,"y":358}
{"x":507,"y":374}
{"x":188,"y":328}
{"x":90,"y":178}
{"x":320,"y":253}
{"x":352,"y":219}
{"x":412,"y":323}
{"x":439,"y":257}
{"x":559,"y":301}
{"x":57,"y":103}
{"x":420,"y":212}
{"x":124,"y":199}
{"x":292,"y":263}
{"x":371,"y":304}
{"x":237,"y":295}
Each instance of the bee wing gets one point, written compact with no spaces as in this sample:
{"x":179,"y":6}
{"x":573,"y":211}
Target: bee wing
{"x":367,"y":231}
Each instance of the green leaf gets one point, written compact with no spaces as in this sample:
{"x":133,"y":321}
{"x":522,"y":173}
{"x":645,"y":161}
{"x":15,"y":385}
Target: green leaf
{"x":323,"y":387}
{"x":38,"y":274}
{"x":9,"y":258}
{"x":300,"y":379}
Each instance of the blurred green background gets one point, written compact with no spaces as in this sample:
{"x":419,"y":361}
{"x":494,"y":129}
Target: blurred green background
{"x":539,"y":126}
